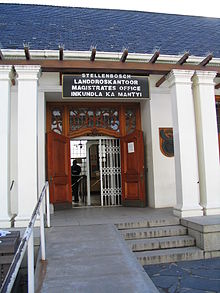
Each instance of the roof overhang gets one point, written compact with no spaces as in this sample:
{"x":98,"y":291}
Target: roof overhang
{"x":80,"y":61}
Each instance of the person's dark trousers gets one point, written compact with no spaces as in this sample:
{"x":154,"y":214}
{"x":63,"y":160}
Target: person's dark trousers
{"x":76,"y":191}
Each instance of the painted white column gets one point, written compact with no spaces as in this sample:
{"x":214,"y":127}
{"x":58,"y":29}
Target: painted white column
{"x":5,"y":97}
{"x":27,"y":142}
{"x":185,"y":150}
{"x":207,"y":141}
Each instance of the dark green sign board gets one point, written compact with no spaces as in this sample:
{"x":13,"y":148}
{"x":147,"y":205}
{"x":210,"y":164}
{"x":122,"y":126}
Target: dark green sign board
{"x":105,"y":85}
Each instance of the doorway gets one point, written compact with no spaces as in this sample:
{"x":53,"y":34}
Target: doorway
{"x":113,"y":161}
{"x":99,"y":183}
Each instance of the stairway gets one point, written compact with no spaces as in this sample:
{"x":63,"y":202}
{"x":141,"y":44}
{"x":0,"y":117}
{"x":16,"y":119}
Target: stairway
{"x":160,"y":241}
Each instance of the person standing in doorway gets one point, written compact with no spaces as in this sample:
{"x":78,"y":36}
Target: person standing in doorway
{"x":75,"y":171}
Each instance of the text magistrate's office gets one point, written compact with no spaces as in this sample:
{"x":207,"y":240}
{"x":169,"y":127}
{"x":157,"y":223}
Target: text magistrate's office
{"x":132,"y":97}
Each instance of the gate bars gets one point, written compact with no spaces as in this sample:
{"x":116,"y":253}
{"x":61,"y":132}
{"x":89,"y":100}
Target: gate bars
{"x":110,"y":172}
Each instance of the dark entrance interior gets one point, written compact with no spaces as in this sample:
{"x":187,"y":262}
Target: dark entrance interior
{"x":79,"y":183}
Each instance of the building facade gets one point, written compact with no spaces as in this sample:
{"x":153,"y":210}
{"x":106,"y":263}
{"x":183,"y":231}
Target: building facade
{"x":148,"y":124}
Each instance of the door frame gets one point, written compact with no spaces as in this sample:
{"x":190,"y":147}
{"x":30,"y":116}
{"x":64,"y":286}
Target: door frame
{"x":64,"y":108}
{"x":97,"y":139}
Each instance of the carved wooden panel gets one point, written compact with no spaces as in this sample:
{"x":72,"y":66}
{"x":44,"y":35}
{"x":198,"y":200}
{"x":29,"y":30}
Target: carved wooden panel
{"x":107,"y":118}
{"x":74,"y":119}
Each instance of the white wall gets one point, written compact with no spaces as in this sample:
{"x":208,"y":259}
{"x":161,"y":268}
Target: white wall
{"x":41,"y":140}
{"x":149,"y":170}
{"x":49,"y":80}
{"x":48,"y":83}
{"x":157,"y":113}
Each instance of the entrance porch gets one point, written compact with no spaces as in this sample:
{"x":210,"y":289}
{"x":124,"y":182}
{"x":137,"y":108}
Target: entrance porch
{"x":188,"y":182}
{"x":107,"y":215}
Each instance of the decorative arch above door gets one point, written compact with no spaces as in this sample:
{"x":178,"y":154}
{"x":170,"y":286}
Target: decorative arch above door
{"x":80,"y":119}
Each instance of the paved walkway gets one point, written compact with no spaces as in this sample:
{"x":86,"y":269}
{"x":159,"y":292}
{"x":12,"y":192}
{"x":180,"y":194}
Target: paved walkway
{"x":198,"y":276}
{"x":91,"y":259}
{"x":85,"y":255}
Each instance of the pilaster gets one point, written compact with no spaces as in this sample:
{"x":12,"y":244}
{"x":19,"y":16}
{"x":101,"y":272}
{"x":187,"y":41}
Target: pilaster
{"x":207,"y":141}
{"x":27,"y":77}
{"x":185,"y":151}
{"x":5,"y":115}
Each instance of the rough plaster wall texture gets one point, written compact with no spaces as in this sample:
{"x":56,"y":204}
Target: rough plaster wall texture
{"x":149,"y":175}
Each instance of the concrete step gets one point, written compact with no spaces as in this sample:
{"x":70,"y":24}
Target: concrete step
{"x":161,"y":243}
{"x":154,"y":222}
{"x":169,"y":255}
{"x":175,"y":230}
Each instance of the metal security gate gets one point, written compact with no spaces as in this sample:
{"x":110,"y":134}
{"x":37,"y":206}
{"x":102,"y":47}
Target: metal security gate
{"x":110,"y":172}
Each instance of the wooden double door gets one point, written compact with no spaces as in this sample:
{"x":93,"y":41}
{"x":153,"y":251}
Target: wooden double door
{"x":120,"y":120}
{"x":58,"y":168}
{"x":132,"y":168}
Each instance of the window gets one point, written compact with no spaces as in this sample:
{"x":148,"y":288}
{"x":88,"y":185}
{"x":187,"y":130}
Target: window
{"x":57,"y":120}
{"x":130,"y":119}
{"x":77,"y":119}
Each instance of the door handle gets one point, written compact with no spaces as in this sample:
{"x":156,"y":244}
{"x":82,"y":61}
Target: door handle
{"x":51,"y":179}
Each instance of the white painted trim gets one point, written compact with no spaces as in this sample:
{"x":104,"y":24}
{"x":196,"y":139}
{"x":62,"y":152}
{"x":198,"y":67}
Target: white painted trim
{"x":111,"y":56}
{"x":28,"y":72}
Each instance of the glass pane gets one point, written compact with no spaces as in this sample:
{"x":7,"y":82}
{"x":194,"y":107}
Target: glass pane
{"x":130,"y":118}
{"x":114,"y":122}
{"x":80,"y":118}
{"x":57,"y":121}
{"x":78,"y":152}
{"x":90,"y":118}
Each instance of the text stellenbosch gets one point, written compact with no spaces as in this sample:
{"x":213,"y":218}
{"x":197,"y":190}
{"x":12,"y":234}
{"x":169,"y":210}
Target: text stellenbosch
{"x":105,"y":85}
